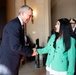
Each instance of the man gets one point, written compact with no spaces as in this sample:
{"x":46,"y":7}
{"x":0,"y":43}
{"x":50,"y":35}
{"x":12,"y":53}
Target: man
{"x":73,"y":25}
{"x":12,"y":46}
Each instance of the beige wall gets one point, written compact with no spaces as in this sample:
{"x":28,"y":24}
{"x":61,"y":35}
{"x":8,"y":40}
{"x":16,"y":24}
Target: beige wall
{"x":18,"y":4}
{"x":41,"y":27}
{"x":42,"y":22}
{"x":10,"y":7}
{"x":13,"y":7}
{"x":63,"y":8}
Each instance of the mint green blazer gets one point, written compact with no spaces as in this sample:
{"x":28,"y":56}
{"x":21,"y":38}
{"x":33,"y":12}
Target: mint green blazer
{"x":59,"y":60}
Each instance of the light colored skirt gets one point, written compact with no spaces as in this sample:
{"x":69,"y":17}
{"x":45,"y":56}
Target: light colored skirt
{"x":49,"y":71}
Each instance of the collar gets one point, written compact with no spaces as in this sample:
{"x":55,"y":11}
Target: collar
{"x":20,"y":20}
{"x":73,"y":28}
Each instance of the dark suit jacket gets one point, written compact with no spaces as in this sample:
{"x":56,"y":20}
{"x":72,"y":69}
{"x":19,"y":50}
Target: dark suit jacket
{"x":12,"y":46}
{"x":74,"y":34}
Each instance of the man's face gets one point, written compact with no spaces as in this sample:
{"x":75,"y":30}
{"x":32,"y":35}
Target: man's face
{"x":27,"y":16}
{"x":73,"y":25}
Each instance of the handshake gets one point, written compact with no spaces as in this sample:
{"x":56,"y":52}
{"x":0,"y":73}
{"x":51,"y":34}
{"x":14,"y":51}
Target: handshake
{"x":34,"y":52}
{"x":33,"y":46}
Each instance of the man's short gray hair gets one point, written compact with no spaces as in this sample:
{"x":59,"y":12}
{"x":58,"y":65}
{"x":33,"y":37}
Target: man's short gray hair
{"x":25,"y":8}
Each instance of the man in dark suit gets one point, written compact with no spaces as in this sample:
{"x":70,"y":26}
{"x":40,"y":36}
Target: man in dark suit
{"x":12,"y":45}
{"x":73,"y":25}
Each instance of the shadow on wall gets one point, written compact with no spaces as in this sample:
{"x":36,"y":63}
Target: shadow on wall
{"x":0,"y":40}
{"x":2,"y":19}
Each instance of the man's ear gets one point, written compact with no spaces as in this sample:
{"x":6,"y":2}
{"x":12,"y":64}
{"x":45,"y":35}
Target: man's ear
{"x":23,"y":12}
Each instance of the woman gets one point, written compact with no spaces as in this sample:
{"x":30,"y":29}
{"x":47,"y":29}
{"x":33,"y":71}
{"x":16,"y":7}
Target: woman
{"x":61,"y":50}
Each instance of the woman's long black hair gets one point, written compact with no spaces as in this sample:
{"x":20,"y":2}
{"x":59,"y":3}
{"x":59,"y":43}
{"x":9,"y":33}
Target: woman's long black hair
{"x":65,"y":30}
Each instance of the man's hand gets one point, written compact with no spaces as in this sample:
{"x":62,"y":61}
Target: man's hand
{"x":34,"y":52}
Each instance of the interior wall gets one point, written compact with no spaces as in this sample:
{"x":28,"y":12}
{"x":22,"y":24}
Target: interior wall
{"x":10,"y":7}
{"x":2,"y":16}
{"x":18,"y":4}
{"x":63,"y":9}
{"x":40,"y":27}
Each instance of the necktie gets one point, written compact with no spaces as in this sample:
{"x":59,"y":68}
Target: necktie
{"x":22,"y":27}
{"x":23,"y":42}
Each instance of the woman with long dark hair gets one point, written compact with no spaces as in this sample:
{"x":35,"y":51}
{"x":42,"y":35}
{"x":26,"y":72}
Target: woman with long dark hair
{"x":60,"y":49}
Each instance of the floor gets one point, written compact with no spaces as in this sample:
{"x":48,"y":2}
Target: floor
{"x":31,"y":69}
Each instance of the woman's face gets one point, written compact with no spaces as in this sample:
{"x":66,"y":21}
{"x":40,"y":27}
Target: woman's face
{"x":57,"y":26}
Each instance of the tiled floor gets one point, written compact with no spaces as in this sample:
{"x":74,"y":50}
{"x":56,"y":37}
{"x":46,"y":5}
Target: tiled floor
{"x":29,"y":69}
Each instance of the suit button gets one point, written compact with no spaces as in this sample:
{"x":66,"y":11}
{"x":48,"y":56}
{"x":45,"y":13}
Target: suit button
{"x":58,"y":47}
{"x":55,"y":51}
{"x":50,"y":45}
{"x":62,"y":61}
{"x":49,"y":54}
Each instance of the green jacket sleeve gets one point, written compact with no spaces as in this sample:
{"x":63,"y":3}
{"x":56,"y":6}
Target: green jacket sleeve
{"x":71,"y":58}
{"x":47,"y":47}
